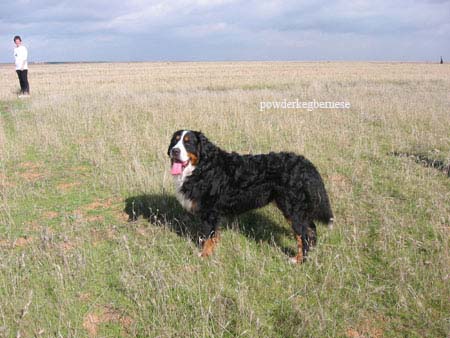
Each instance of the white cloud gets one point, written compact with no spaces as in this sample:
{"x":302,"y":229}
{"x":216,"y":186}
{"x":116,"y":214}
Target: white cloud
{"x":228,"y":29}
{"x":202,"y":30}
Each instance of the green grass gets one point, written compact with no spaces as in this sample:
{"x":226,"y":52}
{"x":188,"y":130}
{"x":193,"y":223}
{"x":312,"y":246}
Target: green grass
{"x":76,"y":160}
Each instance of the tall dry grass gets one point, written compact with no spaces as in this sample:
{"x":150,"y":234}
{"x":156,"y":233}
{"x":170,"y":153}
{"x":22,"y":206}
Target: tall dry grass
{"x":382,"y":271}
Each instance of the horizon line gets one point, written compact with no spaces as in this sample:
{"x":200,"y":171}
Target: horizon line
{"x":218,"y":61}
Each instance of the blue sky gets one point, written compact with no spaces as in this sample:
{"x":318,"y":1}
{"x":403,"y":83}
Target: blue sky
{"x":209,"y":30}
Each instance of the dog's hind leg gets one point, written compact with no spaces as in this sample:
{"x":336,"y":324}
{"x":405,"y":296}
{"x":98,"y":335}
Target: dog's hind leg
{"x":299,"y":257}
{"x":300,"y":234}
{"x":301,"y":217}
{"x":306,"y":236}
{"x":304,"y":230}
{"x":311,"y":235}
{"x":210,"y":234}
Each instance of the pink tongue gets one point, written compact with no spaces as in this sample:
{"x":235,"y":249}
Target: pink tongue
{"x":177,"y":168}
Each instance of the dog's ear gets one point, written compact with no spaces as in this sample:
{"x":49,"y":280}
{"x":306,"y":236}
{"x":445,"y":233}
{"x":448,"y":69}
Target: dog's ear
{"x":205,"y":147}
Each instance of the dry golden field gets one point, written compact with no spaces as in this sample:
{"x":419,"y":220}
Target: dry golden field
{"x":88,"y":148}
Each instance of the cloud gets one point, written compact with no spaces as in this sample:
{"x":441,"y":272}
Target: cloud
{"x":227,"y":29}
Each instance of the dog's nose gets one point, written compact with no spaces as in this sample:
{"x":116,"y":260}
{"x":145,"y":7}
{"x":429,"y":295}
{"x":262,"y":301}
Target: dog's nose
{"x":175,"y":152}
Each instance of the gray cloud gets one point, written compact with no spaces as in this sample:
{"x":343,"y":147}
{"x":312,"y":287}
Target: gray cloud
{"x":227,"y":30}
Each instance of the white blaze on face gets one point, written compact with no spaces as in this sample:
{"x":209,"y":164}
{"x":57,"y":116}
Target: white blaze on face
{"x":180,"y":145}
{"x":187,"y":171}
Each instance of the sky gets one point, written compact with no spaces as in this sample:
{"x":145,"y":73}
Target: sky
{"x":213,"y":30}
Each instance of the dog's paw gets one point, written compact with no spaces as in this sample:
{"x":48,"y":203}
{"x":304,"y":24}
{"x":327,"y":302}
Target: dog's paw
{"x":204,"y":254}
{"x":296,"y":260}
{"x":293,"y":260}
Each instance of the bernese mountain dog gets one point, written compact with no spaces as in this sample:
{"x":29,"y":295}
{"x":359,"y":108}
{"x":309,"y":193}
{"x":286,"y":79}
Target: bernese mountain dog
{"x":211,"y":183}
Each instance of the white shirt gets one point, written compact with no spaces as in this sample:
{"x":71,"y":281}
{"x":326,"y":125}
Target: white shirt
{"x":21,"y":55}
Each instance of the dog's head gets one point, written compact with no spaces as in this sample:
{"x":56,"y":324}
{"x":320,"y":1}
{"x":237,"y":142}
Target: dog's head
{"x":186,"y":148}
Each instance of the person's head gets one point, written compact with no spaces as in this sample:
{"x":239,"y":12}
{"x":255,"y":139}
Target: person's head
{"x":17,"y":40}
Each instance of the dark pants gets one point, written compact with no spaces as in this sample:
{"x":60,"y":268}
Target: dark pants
{"x":23,"y":79}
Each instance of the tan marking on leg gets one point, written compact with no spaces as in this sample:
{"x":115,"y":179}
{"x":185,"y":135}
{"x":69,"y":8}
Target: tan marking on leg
{"x":299,"y":258}
{"x":208,"y":246}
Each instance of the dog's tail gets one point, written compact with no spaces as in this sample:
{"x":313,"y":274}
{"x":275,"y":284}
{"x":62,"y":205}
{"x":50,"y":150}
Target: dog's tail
{"x":324,"y":212}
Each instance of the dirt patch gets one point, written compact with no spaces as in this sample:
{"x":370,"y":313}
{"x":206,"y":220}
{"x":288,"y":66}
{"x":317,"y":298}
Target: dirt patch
{"x":95,"y":205}
{"x":95,"y":218}
{"x":31,"y":176}
{"x":367,"y":328}
{"x":50,"y":214}
{"x":32,"y":171}
{"x":22,"y":241}
{"x":67,"y":186}
{"x":93,"y":320}
{"x":99,"y":204}
{"x":66,"y":246}
{"x":4,"y":183}
{"x":351,"y":333}
{"x":122,"y":216}
{"x":30,"y":165}
{"x":90,"y":323}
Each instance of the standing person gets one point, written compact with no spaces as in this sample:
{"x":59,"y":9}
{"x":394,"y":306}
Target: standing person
{"x":21,"y":56}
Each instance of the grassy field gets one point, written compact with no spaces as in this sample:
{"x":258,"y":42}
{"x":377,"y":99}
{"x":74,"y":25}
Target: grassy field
{"x":88,"y":149}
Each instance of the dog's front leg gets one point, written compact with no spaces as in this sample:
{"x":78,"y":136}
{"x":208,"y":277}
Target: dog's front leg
{"x":210,"y":234}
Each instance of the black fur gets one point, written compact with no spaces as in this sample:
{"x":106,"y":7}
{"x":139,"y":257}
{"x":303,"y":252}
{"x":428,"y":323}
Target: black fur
{"x":226,"y":183}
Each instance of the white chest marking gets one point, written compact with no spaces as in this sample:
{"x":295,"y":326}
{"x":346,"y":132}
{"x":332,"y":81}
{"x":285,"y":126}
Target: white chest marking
{"x":186,"y":203}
